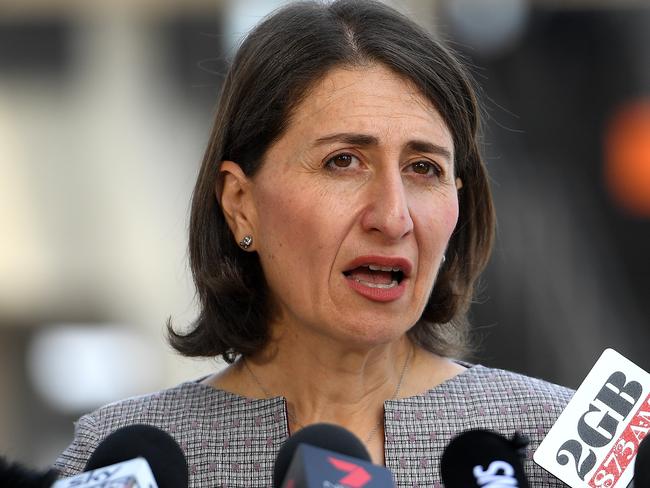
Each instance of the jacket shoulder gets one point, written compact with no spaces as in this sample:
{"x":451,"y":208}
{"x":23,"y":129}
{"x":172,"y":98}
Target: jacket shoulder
{"x":504,"y":387}
{"x":165,"y":409}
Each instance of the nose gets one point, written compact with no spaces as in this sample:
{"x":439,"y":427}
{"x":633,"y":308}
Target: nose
{"x":387,"y":210}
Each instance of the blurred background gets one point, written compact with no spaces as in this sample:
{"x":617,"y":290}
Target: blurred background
{"x":105,"y":110}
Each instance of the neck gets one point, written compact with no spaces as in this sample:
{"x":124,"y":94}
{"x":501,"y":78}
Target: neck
{"x":320,"y":380}
{"x":324,"y":382}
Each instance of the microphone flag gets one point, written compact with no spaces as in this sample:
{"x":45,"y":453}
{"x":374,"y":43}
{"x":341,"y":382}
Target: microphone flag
{"x":313,"y":467}
{"x":135,"y":473}
{"x":594,"y":442}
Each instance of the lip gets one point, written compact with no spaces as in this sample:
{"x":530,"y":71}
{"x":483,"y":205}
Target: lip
{"x":380,"y":294}
{"x":389,"y":261}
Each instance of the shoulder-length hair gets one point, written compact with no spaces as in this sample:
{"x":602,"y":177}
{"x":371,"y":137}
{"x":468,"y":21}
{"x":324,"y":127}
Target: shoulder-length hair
{"x":271,"y":73}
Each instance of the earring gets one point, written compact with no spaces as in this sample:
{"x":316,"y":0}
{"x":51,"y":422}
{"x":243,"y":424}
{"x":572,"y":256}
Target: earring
{"x":246,"y":242}
{"x":444,"y":258}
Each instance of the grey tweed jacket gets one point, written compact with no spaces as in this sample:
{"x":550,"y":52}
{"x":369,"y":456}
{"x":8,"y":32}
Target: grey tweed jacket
{"x":230,"y":441}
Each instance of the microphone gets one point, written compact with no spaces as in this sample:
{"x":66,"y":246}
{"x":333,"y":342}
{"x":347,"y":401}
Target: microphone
{"x":481,"y":458}
{"x":595,"y":440}
{"x":642,"y":465}
{"x":18,"y":476}
{"x":327,"y":456}
{"x":136,"y":455}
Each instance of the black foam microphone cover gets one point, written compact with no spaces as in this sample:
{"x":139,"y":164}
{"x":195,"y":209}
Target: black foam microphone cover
{"x":326,"y":436}
{"x":642,"y":465}
{"x":164,"y":455}
{"x":15,"y":475}
{"x":477,"y":458}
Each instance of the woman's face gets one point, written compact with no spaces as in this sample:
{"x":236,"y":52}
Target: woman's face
{"x":354,"y":207}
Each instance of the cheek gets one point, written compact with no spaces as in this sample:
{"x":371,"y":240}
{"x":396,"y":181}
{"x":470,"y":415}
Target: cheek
{"x":437,"y":222}
{"x":449,"y":217}
{"x":293,"y":225}
{"x":277,"y":215}
{"x":280,"y":237}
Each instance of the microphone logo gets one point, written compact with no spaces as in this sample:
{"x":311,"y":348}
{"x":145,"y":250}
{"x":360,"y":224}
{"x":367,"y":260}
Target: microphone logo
{"x":499,"y":474}
{"x":356,"y":476}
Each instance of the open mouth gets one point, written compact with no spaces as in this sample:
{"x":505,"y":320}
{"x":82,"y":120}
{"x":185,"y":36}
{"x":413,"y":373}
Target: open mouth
{"x":375,"y":276}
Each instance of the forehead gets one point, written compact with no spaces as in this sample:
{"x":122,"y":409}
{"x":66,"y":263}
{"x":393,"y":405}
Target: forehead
{"x":370,"y":99}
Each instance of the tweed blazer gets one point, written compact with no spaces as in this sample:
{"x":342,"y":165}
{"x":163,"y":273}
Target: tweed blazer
{"x":231,"y":441}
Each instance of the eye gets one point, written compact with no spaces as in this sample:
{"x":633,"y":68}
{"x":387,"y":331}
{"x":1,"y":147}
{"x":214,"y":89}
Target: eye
{"x":426,"y":168}
{"x":340,"y":161}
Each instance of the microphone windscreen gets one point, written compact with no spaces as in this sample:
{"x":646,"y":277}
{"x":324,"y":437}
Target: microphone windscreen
{"x":16,"y":476}
{"x":642,"y":465}
{"x":162,"y":453}
{"x":477,"y":458}
{"x":326,"y":436}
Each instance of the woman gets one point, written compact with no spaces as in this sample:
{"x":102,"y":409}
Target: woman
{"x":340,"y":219}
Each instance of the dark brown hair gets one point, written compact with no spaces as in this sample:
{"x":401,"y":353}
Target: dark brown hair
{"x":271,"y":73}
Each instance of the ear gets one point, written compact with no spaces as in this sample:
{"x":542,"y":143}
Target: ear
{"x":233,"y":192}
{"x":459,"y":183}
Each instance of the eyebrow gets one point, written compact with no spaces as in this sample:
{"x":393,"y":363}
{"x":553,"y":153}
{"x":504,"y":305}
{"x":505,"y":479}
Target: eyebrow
{"x":355,"y":139}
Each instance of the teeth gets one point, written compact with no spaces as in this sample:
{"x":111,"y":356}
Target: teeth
{"x":392,"y":284}
{"x":374,"y":267}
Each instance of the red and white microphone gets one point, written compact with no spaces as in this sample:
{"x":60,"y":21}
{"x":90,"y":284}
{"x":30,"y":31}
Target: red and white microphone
{"x":327,"y":456}
{"x":594,"y":443}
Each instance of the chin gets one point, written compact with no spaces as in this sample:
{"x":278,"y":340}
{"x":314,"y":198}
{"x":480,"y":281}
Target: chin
{"x":372,"y":333}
